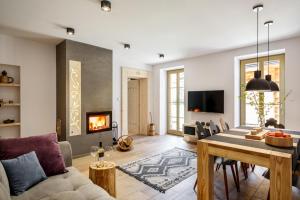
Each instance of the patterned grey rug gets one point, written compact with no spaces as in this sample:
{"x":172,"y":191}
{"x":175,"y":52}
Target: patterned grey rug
{"x":163,"y":171}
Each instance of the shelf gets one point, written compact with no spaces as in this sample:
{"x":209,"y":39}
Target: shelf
{"x":9,"y":85}
{"x":10,"y":124}
{"x":9,"y":105}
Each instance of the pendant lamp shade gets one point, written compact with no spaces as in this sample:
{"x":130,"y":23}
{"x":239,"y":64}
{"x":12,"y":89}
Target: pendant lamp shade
{"x":257,"y":83}
{"x":274,"y":87}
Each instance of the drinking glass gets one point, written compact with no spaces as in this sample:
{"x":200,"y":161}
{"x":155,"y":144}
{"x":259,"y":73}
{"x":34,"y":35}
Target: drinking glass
{"x":108,"y":150}
{"x":94,"y":152}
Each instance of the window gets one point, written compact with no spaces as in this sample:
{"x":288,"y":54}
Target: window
{"x":175,"y":102}
{"x":249,"y":114}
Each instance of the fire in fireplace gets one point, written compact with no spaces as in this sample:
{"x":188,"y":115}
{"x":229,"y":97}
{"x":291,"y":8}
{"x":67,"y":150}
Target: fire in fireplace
{"x":98,"y":121}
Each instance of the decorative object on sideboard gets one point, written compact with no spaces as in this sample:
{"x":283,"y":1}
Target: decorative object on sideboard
{"x":8,"y":121}
{"x":115,"y":133}
{"x":257,"y":83}
{"x":151,"y":130}
{"x":274,"y":87}
{"x":125,"y":143}
{"x":6,"y":79}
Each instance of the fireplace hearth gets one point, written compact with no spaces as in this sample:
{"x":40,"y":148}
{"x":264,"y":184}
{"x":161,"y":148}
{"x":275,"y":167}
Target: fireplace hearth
{"x":98,"y":122}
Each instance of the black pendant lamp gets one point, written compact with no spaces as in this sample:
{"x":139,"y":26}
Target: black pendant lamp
{"x":274,"y":87}
{"x":257,"y":83}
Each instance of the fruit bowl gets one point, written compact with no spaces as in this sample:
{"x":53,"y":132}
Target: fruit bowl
{"x":279,"y":139}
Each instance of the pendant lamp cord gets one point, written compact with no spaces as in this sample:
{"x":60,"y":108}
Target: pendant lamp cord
{"x":268,"y":48}
{"x":257,"y":10}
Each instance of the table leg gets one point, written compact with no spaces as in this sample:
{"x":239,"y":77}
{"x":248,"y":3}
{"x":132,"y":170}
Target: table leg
{"x":280,"y":178}
{"x":205,"y":173}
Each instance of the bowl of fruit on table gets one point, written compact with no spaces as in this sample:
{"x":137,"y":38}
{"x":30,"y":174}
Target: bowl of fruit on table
{"x":279,"y":139}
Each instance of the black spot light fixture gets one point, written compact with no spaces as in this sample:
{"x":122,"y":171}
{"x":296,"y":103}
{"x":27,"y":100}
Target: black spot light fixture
{"x":257,"y":83}
{"x":106,"y":5}
{"x":161,"y":55}
{"x":126,"y":46}
{"x":70,"y":31}
{"x":274,"y":87}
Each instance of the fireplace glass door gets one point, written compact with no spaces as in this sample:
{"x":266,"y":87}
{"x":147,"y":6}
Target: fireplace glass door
{"x":98,"y":122}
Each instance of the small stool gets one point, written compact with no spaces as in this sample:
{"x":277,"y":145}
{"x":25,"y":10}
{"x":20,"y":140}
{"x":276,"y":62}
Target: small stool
{"x":103,"y":174}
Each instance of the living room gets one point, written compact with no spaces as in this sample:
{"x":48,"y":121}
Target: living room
{"x":149,"y":100}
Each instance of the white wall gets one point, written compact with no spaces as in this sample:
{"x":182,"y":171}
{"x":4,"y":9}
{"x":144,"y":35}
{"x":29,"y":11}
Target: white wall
{"x":38,"y":82}
{"x":216,"y":71}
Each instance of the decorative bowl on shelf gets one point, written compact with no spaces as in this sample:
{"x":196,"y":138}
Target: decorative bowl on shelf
{"x":279,"y":139}
{"x":8,"y":121}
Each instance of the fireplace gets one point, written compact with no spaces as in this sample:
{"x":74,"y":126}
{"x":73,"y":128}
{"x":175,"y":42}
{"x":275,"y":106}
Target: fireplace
{"x":98,"y":121}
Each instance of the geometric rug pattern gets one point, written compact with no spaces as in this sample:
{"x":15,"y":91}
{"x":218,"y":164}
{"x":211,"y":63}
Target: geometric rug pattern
{"x":163,"y":171}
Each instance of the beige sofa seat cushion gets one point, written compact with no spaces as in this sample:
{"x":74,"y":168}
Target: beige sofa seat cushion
{"x":69,"y":186}
{"x":4,"y":185}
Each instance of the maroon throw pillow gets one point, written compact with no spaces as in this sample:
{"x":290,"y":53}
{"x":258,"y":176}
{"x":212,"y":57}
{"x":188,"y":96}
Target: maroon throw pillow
{"x":45,"y":146}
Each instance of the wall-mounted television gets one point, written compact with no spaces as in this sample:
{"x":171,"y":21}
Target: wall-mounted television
{"x":206,"y":101}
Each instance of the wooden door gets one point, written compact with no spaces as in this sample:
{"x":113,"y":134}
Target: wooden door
{"x":133,"y":107}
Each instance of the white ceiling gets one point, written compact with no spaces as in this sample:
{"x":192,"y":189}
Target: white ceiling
{"x":178,"y":28}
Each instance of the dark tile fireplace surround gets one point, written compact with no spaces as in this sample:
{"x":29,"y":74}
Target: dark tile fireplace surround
{"x":96,"y":94}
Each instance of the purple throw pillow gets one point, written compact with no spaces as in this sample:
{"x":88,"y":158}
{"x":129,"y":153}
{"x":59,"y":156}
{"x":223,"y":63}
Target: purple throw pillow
{"x":45,"y":146}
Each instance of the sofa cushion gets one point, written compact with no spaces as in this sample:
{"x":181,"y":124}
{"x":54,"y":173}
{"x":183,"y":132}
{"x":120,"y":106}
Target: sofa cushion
{"x":45,"y":146}
{"x":69,"y":186}
{"x":3,"y":178}
{"x":4,"y":195}
{"x":23,"y":172}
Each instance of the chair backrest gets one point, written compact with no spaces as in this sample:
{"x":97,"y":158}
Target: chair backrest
{"x":224,"y":125}
{"x":213,"y":128}
{"x":201,"y":131}
{"x":227,"y":126}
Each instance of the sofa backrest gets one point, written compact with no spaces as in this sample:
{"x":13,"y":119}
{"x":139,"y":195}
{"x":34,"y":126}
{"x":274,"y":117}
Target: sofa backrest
{"x":4,"y":185}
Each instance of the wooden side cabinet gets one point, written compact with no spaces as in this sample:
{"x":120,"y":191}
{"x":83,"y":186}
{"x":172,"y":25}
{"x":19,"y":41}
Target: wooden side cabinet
{"x":103,"y":174}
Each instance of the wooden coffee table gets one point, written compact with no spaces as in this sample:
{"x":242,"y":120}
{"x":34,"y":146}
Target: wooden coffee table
{"x":103,"y":174}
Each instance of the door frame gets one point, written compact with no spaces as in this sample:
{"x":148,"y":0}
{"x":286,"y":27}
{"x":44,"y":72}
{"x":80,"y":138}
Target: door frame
{"x":145,"y":79}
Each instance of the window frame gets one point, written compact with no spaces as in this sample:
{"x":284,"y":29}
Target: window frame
{"x":261,"y":60}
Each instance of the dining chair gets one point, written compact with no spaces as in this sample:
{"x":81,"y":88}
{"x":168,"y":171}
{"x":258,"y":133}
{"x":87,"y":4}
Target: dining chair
{"x":213,"y":128}
{"x":224,"y":125}
{"x":202,"y":133}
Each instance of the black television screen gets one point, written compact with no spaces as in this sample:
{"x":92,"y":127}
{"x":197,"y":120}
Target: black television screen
{"x":206,"y":101}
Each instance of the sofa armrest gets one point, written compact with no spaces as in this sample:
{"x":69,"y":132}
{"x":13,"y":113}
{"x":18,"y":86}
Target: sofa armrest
{"x":66,"y":151}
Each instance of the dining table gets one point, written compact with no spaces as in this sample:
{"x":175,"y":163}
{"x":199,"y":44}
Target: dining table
{"x":232,"y":144}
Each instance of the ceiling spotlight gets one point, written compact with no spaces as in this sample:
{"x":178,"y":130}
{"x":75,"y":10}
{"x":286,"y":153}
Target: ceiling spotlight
{"x":126,"y":46}
{"x":70,"y":31}
{"x":161,"y":55}
{"x":106,"y":5}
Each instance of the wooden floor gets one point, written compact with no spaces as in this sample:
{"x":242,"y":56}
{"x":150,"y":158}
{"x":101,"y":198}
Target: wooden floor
{"x":128,"y":188}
